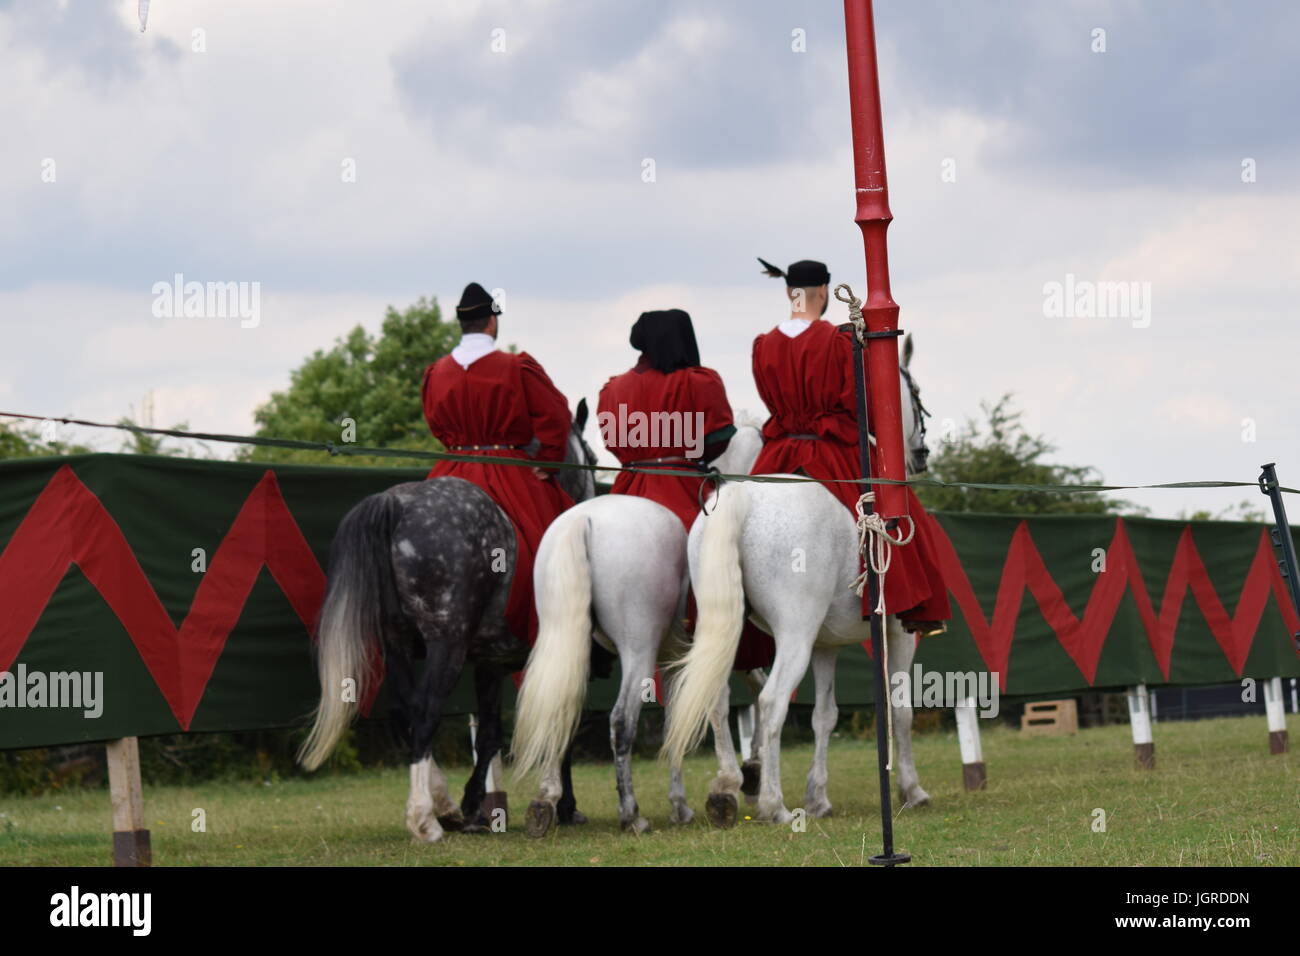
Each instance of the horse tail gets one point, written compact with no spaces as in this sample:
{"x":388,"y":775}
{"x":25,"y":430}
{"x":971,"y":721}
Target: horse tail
{"x":360,"y":596}
{"x":701,"y":674}
{"x":555,"y":681}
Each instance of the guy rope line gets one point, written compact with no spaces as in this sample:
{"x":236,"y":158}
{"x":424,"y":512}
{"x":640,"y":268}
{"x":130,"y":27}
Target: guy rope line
{"x":413,"y":454}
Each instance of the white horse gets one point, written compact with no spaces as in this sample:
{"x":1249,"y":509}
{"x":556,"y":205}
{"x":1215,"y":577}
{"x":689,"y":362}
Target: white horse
{"x":741,"y":563}
{"x":614,"y":568}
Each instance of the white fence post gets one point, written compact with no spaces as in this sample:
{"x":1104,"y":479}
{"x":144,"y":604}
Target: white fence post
{"x":1139,"y":715}
{"x":974,"y":774}
{"x":1275,"y":709}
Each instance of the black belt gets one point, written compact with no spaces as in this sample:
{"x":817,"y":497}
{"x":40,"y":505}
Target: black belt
{"x":458,"y":448}
{"x":669,"y":460}
{"x":805,"y":437}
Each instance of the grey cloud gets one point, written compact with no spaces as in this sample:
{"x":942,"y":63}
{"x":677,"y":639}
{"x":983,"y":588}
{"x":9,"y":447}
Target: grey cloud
{"x":1182,"y":88}
{"x":741,"y":98}
{"x":86,"y":37}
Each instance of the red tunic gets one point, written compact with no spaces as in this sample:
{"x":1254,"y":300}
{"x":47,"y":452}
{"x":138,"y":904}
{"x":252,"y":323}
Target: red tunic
{"x":695,"y":397}
{"x":686,"y":391}
{"x":807,"y":384}
{"x":504,"y":399}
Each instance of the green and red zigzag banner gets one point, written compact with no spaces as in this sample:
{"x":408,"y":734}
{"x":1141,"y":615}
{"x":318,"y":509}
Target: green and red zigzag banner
{"x":193,"y":588}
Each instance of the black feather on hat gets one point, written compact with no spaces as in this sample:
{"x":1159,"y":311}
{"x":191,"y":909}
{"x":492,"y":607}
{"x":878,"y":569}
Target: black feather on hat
{"x":801,"y":275}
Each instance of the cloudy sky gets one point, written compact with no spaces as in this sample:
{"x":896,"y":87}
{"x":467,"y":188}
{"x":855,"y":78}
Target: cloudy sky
{"x":506,"y":143}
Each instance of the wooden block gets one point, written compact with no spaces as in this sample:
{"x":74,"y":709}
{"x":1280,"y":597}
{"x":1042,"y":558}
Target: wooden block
{"x":1050,"y":717}
{"x":1277,"y":742}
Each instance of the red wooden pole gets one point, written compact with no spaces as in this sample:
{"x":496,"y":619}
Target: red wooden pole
{"x":873,"y":217}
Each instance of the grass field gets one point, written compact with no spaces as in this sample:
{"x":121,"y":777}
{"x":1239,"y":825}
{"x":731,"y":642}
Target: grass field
{"x":1217,"y":797}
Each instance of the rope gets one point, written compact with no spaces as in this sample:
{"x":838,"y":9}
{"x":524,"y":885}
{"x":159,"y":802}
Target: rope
{"x":855,"y":311}
{"x":874,"y":544}
{"x":412,"y":454}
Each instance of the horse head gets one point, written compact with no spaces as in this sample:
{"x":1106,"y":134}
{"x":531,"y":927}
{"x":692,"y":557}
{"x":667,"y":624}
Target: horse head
{"x":914,"y":414}
{"x":579,"y":483}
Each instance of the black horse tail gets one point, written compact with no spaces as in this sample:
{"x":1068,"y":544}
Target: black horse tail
{"x":360,"y":598}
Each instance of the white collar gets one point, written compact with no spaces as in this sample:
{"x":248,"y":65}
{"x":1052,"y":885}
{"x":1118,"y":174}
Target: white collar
{"x":473,"y":346}
{"x":793,"y":327}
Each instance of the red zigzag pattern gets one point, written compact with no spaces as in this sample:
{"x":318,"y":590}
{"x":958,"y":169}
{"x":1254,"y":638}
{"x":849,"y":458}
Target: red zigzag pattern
{"x":1024,"y":570}
{"x":68,"y":525}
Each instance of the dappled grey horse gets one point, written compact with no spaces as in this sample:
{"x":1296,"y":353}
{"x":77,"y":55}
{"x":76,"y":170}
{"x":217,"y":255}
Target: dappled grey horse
{"x":415,"y":580}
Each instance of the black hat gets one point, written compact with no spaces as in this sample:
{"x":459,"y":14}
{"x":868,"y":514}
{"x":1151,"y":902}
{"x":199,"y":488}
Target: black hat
{"x":801,"y":274}
{"x":476,"y":305}
{"x":667,"y":339}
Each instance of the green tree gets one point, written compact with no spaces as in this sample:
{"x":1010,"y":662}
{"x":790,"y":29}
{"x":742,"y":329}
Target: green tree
{"x":143,"y":443}
{"x":374,"y":380}
{"x":1001,"y":451}
{"x":18,"y":441}
{"x":1244,"y":510}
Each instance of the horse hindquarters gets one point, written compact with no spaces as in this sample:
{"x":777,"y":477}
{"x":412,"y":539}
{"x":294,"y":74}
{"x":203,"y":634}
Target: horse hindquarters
{"x":638,"y":556}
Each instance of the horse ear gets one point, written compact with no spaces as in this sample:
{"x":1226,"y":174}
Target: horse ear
{"x":907,"y":350}
{"x":580,"y":416}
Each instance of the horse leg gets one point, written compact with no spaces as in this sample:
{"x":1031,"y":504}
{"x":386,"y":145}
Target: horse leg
{"x":792,"y":652}
{"x":566,"y":807}
{"x":681,"y":812}
{"x":753,"y":767}
{"x":722,"y":806}
{"x":637,"y":658}
{"x":445,"y":659}
{"x":540,"y":818}
{"x":400,"y":674}
{"x":825,"y":714}
{"x":902,"y":648}
{"x":487,"y":744}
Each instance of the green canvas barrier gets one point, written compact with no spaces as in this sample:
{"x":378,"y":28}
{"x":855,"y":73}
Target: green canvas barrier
{"x":100,"y":574}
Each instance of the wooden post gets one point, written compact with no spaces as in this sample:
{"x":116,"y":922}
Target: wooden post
{"x":974,"y":776}
{"x":1275,"y":709}
{"x":131,"y":845}
{"x":1139,"y":714}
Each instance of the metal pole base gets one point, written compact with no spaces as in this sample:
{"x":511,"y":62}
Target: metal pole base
{"x":893,"y":859}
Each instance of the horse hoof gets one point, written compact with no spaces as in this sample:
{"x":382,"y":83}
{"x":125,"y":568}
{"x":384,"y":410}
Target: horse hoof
{"x":682,"y":814}
{"x":424,"y":830}
{"x":638,"y":826}
{"x":576,"y":818}
{"x":723,"y":810}
{"x":539,"y":819}
{"x":918,"y":798}
{"x":819,"y":810}
{"x":751,"y":776}
{"x":780,"y":816}
{"x":452,"y":822}
{"x":478,"y":825}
